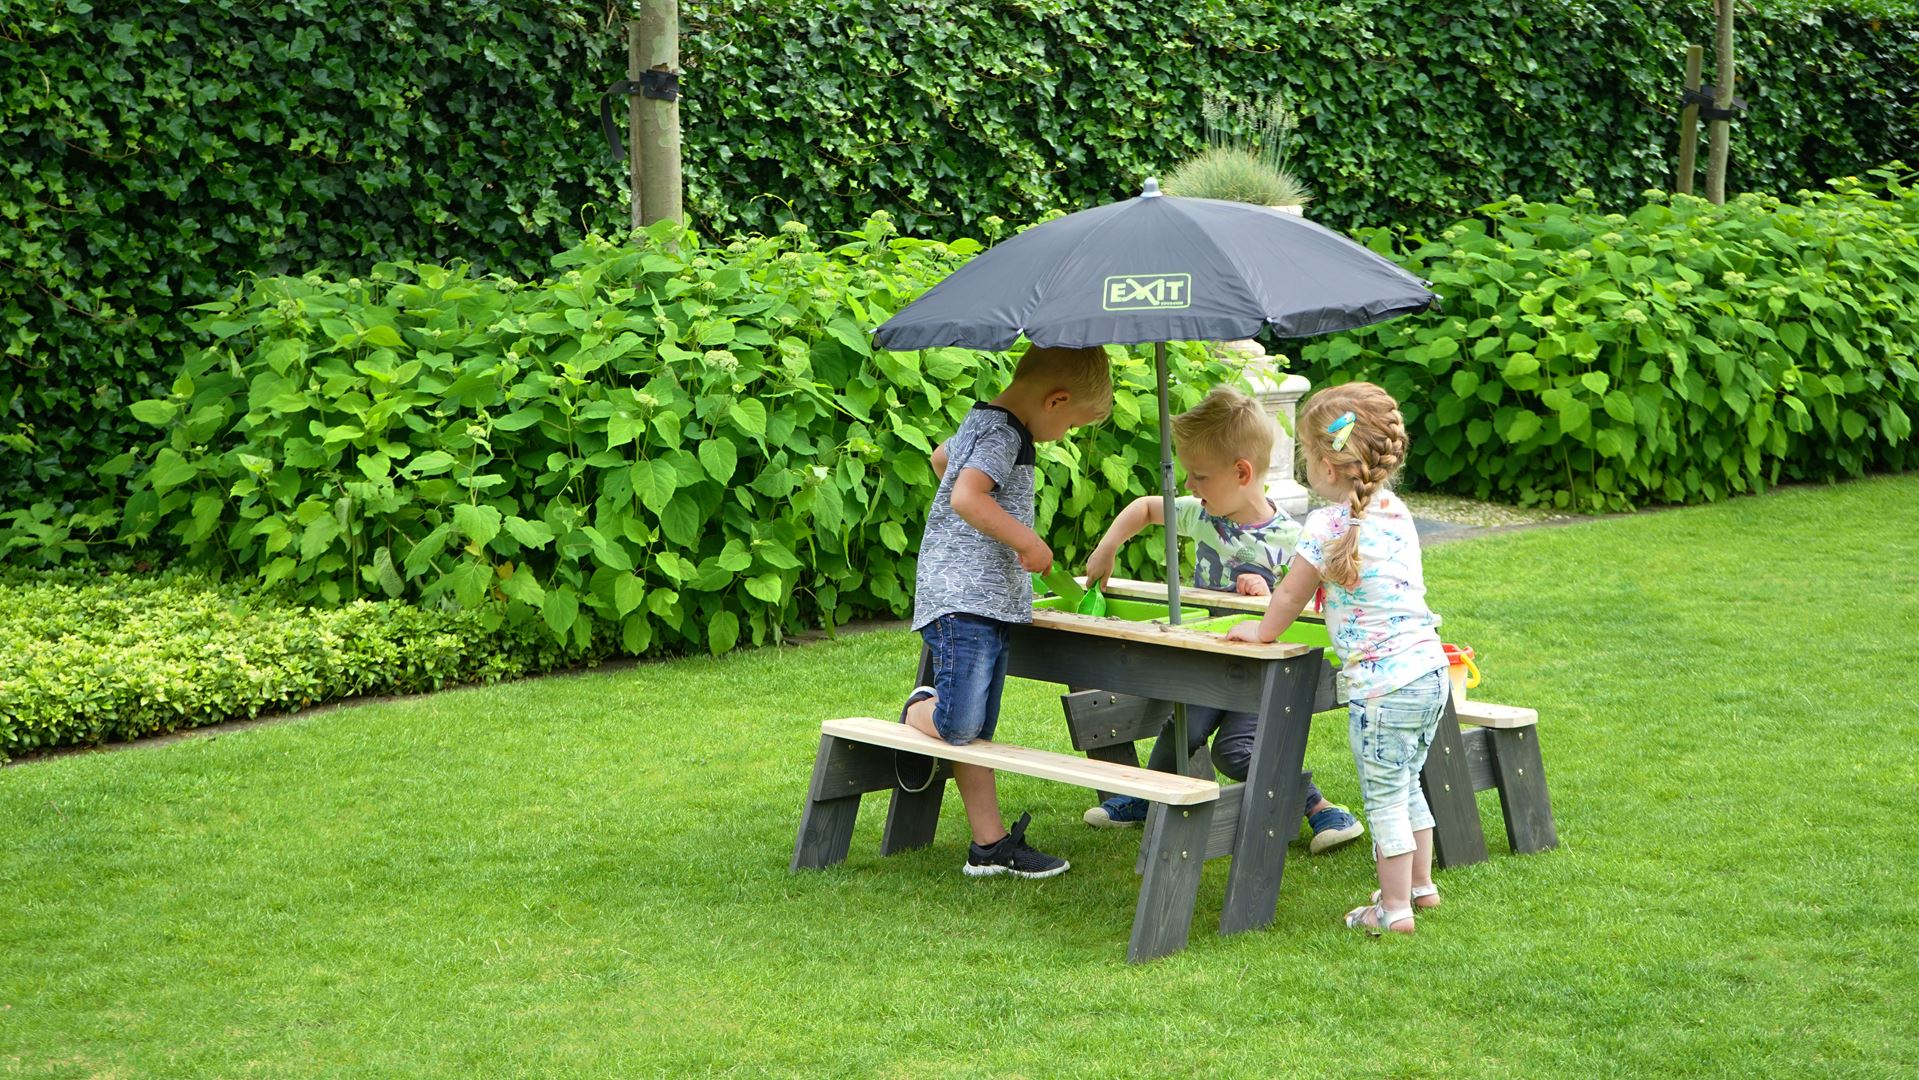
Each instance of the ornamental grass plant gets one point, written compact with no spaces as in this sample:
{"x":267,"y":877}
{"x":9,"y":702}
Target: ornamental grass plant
{"x":1245,"y":159}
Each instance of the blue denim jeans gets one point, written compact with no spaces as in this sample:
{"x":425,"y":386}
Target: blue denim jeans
{"x":1390,"y":736}
{"x":969,"y":669}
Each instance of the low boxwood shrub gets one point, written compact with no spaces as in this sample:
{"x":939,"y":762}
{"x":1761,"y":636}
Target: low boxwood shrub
{"x":1679,"y":353}
{"x":87,"y":657}
{"x":671,"y":445}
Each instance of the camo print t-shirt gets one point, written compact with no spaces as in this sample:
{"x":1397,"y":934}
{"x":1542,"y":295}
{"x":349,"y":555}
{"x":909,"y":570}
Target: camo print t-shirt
{"x":962,"y":570}
{"x":1226,"y":549}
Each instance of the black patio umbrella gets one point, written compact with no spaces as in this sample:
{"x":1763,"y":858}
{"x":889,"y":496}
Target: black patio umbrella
{"x":1159,"y":268}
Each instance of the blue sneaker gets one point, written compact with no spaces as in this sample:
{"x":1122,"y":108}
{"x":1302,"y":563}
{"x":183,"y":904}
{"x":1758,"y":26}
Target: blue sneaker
{"x":1118,"y":812}
{"x":1333,"y":827}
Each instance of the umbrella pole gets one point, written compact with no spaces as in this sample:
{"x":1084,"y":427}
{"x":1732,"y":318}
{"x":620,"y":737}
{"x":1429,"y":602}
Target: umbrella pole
{"x":1180,"y":750}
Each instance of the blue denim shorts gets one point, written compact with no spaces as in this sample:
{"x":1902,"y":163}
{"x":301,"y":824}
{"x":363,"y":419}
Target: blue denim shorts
{"x":1390,"y":736}
{"x":969,"y":668}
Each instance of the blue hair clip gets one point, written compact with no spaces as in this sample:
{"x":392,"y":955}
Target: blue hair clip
{"x":1341,"y":430}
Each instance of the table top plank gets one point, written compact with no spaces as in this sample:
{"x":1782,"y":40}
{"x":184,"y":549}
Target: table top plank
{"x":1161,"y":634}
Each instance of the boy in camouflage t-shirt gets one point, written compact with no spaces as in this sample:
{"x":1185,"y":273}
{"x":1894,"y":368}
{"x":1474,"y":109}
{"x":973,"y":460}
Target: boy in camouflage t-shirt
{"x":1243,"y":542}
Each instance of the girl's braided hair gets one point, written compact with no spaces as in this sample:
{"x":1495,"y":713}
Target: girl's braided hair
{"x":1375,"y":448}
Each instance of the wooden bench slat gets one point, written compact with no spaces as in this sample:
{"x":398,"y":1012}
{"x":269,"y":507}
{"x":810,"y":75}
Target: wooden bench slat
{"x":1069,"y":769}
{"x":1487,"y":714}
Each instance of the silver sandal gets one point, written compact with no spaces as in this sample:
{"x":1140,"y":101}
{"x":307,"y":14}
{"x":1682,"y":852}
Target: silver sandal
{"x":1383,"y":919}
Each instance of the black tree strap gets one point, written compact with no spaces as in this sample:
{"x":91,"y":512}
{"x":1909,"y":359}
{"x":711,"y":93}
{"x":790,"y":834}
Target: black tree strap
{"x":658,"y":84}
{"x":621,"y":89}
{"x":1703,"y":97}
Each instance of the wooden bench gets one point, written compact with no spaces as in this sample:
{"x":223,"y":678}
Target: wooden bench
{"x":856,"y":756}
{"x":1502,"y":752}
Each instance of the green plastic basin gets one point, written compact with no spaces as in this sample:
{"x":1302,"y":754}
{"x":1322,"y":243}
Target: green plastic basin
{"x":1130,"y":610}
{"x":1300,"y":633}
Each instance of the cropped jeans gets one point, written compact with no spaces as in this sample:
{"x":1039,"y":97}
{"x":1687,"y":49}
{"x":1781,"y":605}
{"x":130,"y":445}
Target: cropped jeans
{"x":1390,"y":736}
{"x":969,"y":670}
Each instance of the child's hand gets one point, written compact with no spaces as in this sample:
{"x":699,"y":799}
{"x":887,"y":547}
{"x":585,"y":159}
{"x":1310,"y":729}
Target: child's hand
{"x":1253,"y":585}
{"x":1247,"y":632}
{"x":1099,"y":567}
{"x":1036,"y":557}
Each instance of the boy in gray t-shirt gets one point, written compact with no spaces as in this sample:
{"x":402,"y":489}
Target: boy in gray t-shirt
{"x":974,"y":561}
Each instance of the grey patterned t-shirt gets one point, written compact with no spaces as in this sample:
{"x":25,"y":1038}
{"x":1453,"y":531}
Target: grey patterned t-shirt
{"x":962,"y":569}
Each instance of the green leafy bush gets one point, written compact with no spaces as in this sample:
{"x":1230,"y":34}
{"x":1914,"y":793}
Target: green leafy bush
{"x":86,"y":658}
{"x":669,"y":446}
{"x":157,"y":150}
{"x":1679,"y":353}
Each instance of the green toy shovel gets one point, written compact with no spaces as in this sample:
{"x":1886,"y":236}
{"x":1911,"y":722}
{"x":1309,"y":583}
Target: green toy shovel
{"x":1083,"y":600}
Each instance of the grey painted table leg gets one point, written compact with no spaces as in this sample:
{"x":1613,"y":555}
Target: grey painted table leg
{"x":1269,"y":811}
{"x":1458,"y":839}
{"x":1174,"y":853}
{"x":1520,"y":775}
{"x":842,"y":772}
{"x":913,"y":817}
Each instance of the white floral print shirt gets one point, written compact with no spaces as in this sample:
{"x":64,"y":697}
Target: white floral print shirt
{"x":1382,"y":629}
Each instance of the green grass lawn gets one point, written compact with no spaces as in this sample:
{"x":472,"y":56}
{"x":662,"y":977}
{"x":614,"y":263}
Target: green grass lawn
{"x":586,"y":876}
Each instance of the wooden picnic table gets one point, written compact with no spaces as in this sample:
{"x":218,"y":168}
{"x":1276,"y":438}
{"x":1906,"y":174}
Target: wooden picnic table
{"x":1138,"y":669}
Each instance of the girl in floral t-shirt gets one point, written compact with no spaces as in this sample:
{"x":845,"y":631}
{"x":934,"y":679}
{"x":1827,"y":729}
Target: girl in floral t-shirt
{"x":1364,"y":552}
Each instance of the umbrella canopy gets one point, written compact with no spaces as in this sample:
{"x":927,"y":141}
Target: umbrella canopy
{"x":1158,"y":268}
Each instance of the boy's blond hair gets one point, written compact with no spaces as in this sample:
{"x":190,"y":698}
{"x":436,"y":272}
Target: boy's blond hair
{"x":1083,"y":373}
{"x":1224,"y":427}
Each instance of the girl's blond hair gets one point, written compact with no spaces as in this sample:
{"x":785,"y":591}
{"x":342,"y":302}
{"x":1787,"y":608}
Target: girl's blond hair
{"x":1375,"y":448}
{"x":1225,"y":426}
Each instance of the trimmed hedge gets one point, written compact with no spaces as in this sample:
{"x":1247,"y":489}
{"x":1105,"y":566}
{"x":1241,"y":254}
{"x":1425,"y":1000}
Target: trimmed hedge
{"x":158,"y":150}
{"x":162,"y":149}
{"x":1677,"y":354}
{"x":670,"y":446}
{"x":86,"y":658}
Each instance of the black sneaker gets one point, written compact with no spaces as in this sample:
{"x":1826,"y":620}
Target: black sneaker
{"x":1013,"y":855}
{"x":914,"y":773}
